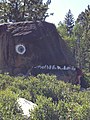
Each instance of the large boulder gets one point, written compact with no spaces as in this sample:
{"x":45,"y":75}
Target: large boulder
{"x":26,"y":45}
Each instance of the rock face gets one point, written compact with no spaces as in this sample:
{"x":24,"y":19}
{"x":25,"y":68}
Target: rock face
{"x":26,"y":45}
{"x":26,"y":106}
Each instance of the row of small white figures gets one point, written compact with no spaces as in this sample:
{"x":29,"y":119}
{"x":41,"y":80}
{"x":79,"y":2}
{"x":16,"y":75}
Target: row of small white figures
{"x":55,"y":67}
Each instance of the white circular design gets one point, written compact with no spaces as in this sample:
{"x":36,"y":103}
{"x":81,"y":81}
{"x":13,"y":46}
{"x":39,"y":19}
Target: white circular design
{"x":20,"y":49}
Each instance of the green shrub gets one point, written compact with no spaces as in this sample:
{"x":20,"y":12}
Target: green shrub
{"x":87,"y":79}
{"x":56,"y":100}
{"x":8,"y":110}
{"x":46,"y":109}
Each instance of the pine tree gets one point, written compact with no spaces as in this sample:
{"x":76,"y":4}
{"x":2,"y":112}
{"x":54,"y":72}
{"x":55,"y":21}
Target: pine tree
{"x":83,"y":35}
{"x":22,"y":10}
{"x":69,"y":21}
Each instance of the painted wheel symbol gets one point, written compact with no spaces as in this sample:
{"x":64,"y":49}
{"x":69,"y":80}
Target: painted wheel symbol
{"x":20,"y":49}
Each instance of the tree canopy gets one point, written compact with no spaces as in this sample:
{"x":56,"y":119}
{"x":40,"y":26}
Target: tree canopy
{"x":22,"y":10}
{"x":79,"y":39}
{"x":83,"y":37}
{"x":69,"y":22}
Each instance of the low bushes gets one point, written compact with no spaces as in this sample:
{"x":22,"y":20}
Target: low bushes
{"x":56,"y":100}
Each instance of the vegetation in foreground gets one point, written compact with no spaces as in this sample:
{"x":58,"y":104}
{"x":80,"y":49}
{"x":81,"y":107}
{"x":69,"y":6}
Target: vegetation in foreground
{"x":56,"y":100}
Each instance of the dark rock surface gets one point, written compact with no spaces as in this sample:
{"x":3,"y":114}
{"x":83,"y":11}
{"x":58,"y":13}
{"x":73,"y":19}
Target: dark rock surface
{"x":39,"y":44}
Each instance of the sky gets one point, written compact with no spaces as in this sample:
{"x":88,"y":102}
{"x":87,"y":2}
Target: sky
{"x":61,"y":7}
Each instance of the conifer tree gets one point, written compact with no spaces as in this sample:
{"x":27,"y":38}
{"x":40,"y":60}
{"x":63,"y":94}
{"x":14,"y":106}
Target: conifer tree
{"x":83,"y":35}
{"x":69,"y":21}
{"x":22,"y":10}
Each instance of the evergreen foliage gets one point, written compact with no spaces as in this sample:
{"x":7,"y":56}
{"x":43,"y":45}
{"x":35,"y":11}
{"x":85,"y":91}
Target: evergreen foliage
{"x":56,"y":100}
{"x":79,"y":40}
{"x":62,"y":29}
{"x":69,"y":22}
{"x":22,"y":10}
{"x":83,"y":37}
